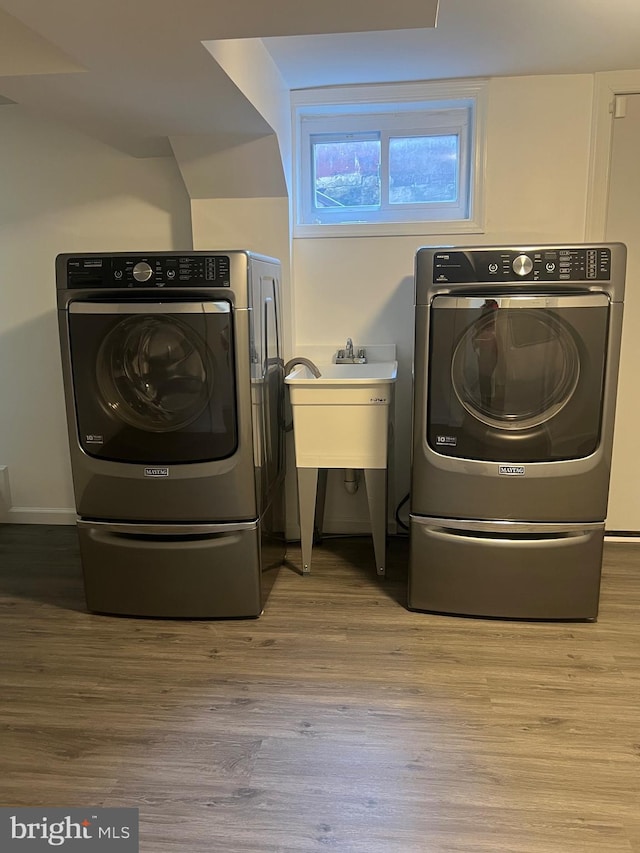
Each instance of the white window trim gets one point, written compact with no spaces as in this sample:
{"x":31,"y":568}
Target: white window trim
{"x":310,"y":102}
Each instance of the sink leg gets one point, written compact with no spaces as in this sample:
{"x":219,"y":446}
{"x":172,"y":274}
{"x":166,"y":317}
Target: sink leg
{"x":320,"y":502}
{"x":376,"y":483}
{"x":307,"y":488}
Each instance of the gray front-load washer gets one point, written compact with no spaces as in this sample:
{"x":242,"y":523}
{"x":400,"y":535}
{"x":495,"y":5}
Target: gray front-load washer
{"x":174,"y":391}
{"x":516,"y":363}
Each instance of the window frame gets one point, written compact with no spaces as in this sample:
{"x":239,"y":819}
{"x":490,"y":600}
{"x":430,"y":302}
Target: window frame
{"x":395,"y":111}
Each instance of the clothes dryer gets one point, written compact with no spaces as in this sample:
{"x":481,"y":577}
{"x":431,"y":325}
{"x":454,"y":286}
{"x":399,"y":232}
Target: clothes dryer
{"x":516,"y":362}
{"x":174,"y":392}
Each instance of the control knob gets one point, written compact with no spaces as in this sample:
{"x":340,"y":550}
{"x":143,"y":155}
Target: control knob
{"x":522,"y":265}
{"x":142,"y":271}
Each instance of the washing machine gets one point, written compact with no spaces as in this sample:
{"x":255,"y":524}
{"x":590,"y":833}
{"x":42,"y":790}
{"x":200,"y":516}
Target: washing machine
{"x":174,"y":390}
{"x":516,"y":363}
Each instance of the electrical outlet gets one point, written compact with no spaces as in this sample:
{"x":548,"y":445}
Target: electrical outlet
{"x":5,"y":491}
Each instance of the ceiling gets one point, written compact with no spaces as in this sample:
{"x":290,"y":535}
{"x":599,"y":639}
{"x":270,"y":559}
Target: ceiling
{"x":135,"y":72}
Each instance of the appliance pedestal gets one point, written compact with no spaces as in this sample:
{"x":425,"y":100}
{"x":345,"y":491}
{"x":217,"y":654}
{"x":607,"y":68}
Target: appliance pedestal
{"x":185,"y":571}
{"x":505,"y":569}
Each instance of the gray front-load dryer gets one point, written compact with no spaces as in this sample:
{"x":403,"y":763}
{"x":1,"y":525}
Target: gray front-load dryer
{"x":516,"y":362}
{"x":174,"y":390}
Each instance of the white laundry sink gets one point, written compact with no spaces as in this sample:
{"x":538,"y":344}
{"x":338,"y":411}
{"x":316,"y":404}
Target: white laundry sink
{"x":340,"y":374}
{"x":340,"y":419}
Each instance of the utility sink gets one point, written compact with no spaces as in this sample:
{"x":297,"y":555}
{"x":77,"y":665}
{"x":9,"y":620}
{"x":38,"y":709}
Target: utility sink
{"x":340,"y":419}
{"x":340,"y":374}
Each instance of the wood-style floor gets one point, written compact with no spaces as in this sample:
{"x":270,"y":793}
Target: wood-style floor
{"x":337,"y":721}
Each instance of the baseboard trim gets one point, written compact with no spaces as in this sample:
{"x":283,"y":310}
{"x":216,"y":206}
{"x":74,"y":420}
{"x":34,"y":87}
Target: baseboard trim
{"x":341,"y":527}
{"x":622,"y":538}
{"x":38,"y":515}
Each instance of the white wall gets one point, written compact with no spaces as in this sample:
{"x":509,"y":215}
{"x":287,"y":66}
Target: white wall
{"x":537,"y":162}
{"x":258,"y":224}
{"x":251,"y":67}
{"x":61,"y":192}
{"x":623,"y":224}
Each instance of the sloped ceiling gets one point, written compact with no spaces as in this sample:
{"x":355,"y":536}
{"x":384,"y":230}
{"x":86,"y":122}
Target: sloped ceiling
{"x":134,"y":73}
{"x":147,"y":75}
{"x":473,"y":38}
{"x":24,"y":52}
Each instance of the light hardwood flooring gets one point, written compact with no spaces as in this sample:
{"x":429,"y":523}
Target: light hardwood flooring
{"x":337,"y":721}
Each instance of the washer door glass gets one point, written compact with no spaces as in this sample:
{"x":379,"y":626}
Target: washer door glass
{"x":154,"y":382}
{"x":155,"y":373}
{"x":515,"y":368}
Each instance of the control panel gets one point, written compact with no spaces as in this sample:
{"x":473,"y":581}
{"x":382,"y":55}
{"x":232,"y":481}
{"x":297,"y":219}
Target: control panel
{"x":149,"y":271}
{"x":497,"y":265}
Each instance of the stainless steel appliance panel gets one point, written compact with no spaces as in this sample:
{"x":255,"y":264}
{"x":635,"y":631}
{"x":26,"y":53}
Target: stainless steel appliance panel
{"x":194,"y":571}
{"x":158,"y":489}
{"x":552,"y":490}
{"x":468,"y":570}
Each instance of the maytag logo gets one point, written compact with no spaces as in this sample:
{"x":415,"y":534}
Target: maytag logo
{"x":511,"y":470}
{"x":156,"y":472}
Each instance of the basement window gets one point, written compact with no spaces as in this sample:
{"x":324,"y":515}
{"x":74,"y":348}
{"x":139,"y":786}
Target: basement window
{"x":393,"y":159}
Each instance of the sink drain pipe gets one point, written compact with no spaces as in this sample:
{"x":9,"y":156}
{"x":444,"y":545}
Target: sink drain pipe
{"x":350,"y":481}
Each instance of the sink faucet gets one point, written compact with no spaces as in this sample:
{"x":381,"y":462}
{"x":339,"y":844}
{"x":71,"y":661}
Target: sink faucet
{"x":349,"y":348}
{"x":349,"y":355}
{"x":301,"y":360}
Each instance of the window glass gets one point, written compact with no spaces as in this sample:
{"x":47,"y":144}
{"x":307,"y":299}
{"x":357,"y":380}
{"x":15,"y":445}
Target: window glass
{"x":401,"y":158}
{"x":423,"y":169}
{"x":346,"y":172}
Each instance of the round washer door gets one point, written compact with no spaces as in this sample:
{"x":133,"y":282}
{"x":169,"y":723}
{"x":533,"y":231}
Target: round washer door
{"x":154,"y":382}
{"x":155,"y":373}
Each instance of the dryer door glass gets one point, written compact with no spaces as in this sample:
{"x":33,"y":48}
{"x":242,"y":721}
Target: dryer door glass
{"x":154,"y":382}
{"x":515,"y":368}
{"x":516,"y":378}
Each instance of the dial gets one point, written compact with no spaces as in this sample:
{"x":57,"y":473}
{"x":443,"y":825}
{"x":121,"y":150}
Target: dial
{"x":142,"y":271}
{"x":522,"y":265}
